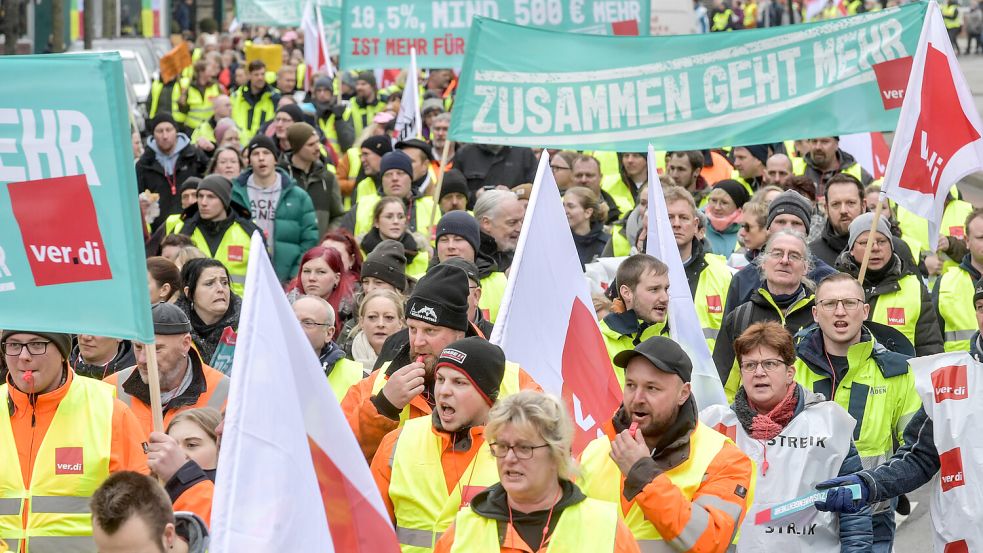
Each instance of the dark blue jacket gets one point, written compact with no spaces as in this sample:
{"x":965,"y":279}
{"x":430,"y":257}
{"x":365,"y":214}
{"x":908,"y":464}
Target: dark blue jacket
{"x":748,"y":279}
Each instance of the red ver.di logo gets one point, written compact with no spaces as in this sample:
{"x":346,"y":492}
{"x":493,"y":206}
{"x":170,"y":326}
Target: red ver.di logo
{"x":58,"y":223}
{"x":951,"y":471}
{"x":950,"y":383}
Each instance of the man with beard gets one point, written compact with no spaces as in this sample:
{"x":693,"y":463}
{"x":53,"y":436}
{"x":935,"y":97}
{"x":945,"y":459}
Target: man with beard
{"x":403,"y":389}
{"x":825,"y":159}
{"x":431,"y":465}
{"x":642,"y":283}
{"x":681,"y":482}
{"x":844,"y":203}
{"x":683,"y":169}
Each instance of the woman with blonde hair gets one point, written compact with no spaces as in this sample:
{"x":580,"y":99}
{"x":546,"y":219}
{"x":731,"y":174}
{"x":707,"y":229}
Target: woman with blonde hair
{"x":194,"y":431}
{"x":586,"y":214}
{"x":380,"y":315}
{"x":536,"y":506}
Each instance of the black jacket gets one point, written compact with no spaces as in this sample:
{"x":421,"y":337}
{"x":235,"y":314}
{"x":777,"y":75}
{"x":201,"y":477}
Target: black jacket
{"x":191,"y":162}
{"x":756,"y":310}
{"x":482,"y":165}
{"x":214,"y":231}
{"x":829,"y":245}
{"x":206,"y":337}
{"x":124,"y":359}
{"x":928,"y":336}
{"x":322,"y":186}
{"x":488,"y":248}
{"x":591,"y":245}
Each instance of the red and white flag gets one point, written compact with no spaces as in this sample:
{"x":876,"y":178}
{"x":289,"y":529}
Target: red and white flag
{"x":291,"y":476}
{"x":316,"y":54}
{"x":409,"y":122}
{"x":547,"y":322}
{"x":869,"y":149}
{"x":937,"y":141}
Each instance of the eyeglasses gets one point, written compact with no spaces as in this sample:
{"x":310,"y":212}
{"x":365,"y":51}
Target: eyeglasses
{"x":850,"y":304}
{"x":793,"y":257}
{"x":14,"y":349}
{"x":521,"y":451}
{"x":307,"y":323}
{"x":556,"y":168}
{"x":769,"y":365}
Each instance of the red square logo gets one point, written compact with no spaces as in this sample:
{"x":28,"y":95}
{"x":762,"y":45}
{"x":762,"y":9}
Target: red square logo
{"x":235,"y":253}
{"x":468,"y":493}
{"x":68,"y":460}
{"x":950,"y":383}
{"x":895,"y":316}
{"x":951,"y":473}
{"x":957,"y":232}
{"x":58,"y":223}
{"x":625,"y":28}
{"x":713,"y":304}
{"x":956,"y":547}
{"x":892,"y":80}
{"x":729,"y":431}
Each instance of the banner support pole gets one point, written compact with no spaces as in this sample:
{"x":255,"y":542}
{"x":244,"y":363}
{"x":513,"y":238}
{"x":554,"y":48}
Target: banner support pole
{"x":436,"y":189}
{"x":153,"y":380}
{"x":873,"y":227}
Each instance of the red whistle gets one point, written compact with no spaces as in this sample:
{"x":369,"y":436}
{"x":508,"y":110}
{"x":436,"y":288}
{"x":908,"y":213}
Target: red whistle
{"x":420,"y":358}
{"x":29,"y":377}
{"x":633,"y":429}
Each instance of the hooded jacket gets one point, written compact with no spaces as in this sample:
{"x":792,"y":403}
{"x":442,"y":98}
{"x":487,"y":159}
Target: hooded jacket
{"x":591,"y":245}
{"x":295,"y":228}
{"x":322,"y":186}
{"x":189,"y":161}
{"x":124,"y":358}
{"x":928,"y":336}
{"x":193,"y":530}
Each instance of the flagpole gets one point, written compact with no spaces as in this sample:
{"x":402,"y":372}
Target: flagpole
{"x":440,"y":183}
{"x":153,"y":380}
{"x":870,"y":241}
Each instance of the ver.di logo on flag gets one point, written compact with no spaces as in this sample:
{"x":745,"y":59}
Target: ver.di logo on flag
{"x":951,"y":472}
{"x":950,"y":383}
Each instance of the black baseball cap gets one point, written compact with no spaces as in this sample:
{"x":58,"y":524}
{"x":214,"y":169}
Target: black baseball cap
{"x":665,"y":354}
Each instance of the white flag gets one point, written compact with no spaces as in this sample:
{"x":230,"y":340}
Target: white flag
{"x":291,"y":476}
{"x":409,"y":122}
{"x":684,"y":325}
{"x":547,"y":322}
{"x":937,"y":141}
{"x":316,"y":54}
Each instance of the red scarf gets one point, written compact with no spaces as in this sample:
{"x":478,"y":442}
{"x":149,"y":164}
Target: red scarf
{"x":767,"y":426}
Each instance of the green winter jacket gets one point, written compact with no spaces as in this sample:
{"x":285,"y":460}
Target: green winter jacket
{"x":295,"y":229}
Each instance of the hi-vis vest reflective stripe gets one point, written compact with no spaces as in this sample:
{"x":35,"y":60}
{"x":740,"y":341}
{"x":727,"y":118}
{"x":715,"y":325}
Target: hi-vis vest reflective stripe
{"x":601,"y":479}
{"x":950,"y":385}
{"x":589,"y":525}
{"x":901,"y":309}
{"x":492,"y":292}
{"x":200,"y":108}
{"x":956,"y":308}
{"x":418,"y":491}
{"x":711,"y":296}
{"x":822,"y":432}
{"x":72,"y":462}
{"x":233,"y":252}
{"x":422,"y":208}
{"x":345,"y":374}
{"x":510,"y":385}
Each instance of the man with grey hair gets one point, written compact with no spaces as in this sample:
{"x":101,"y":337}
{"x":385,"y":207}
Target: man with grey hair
{"x":499,"y":214}
{"x":785,"y":295}
{"x":317,"y":319}
{"x":438,"y":135}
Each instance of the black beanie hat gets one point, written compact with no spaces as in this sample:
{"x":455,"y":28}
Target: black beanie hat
{"x":293,"y":110}
{"x":793,"y":203}
{"x":190,"y":183}
{"x":454,"y":181}
{"x":462,"y":224}
{"x":441,"y":298}
{"x":379,"y":145}
{"x":368,"y":77}
{"x":218,"y":185}
{"x":396,"y":160}
{"x":735,"y":190}
{"x":759,"y":151}
{"x":162,"y":117}
{"x":262,"y":141}
{"x":469,"y":268}
{"x":387,"y":262}
{"x":478,"y":359}
{"x":169,"y":319}
{"x":481,"y":361}
{"x":61,"y":341}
